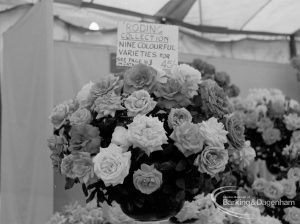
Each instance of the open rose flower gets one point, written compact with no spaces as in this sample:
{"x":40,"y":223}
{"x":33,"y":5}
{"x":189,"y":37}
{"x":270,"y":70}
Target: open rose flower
{"x":212,"y":160}
{"x":264,"y":123}
{"x":188,"y":138}
{"x":139,"y":102}
{"x":107,"y":84}
{"x":120,"y":138}
{"x":81,"y":116}
{"x":169,"y":94}
{"x":57,"y":144}
{"x":294,"y":174}
{"x":111,"y":165}
{"x":277,"y":108}
{"x":235,"y":129}
{"x":147,"y":179}
{"x":59,"y":114}
{"x":147,"y":133}
{"x":188,"y":77}
{"x":213,"y":132}
{"x":292,"y":151}
{"x":251,"y":119}
{"x":213,"y":99}
{"x":289,"y":186}
{"x":107,"y":105}
{"x":140,"y":77}
{"x":188,"y":212}
{"x":78,"y":165}
{"x":178,"y":116}
{"x":292,"y":215}
{"x":273,"y":190}
{"x":292,"y":121}
{"x":85,"y":138}
{"x":84,"y":96}
{"x":259,"y":184}
{"x":271,"y":135}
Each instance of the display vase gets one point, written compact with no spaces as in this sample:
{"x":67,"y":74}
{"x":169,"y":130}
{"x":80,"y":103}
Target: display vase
{"x":155,"y":208}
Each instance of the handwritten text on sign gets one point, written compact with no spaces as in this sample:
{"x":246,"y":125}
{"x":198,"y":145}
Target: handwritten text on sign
{"x":152,"y":44}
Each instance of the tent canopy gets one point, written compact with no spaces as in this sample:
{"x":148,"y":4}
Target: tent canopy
{"x":271,"y":16}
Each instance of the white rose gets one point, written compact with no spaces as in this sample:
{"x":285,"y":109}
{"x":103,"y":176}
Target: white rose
{"x":292,"y":215}
{"x":147,"y":133}
{"x":188,"y":77}
{"x":292,"y":121}
{"x":247,"y":154}
{"x":259,"y":184}
{"x":273,"y":190}
{"x":294,"y":105}
{"x":213,"y":132}
{"x":189,"y":211}
{"x":84,"y":96}
{"x":111,"y":165}
{"x":289,"y":186}
{"x":294,"y":174}
{"x":268,"y":220}
{"x":120,"y":138}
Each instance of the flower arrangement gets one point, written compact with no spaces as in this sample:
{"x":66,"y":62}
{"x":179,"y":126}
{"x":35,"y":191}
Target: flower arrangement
{"x":148,"y":140}
{"x":272,"y":123}
{"x":208,"y":71}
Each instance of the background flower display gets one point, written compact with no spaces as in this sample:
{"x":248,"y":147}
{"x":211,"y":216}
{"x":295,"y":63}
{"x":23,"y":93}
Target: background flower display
{"x":208,"y":71}
{"x":272,"y":123}
{"x":148,"y":140}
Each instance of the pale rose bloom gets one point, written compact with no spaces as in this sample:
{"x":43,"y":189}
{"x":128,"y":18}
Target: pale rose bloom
{"x":139,"y":102}
{"x":249,"y":104}
{"x":247,"y":155}
{"x":111,"y":165}
{"x":147,"y":133}
{"x":247,"y":215}
{"x":120,"y":138}
{"x":188,"y":212}
{"x":188,"y":77}
{"x":81,"y":116}
{"x":289,"y":186}
{"x":261,"y":109}
{"x":212,"y":160}
{"x":292,"y":150}
{"x":273,"y":190}
{"x":264,"y":123}
{"x":84,"y":96}
{"x":251,"y":119}
{"x":268,"y":220}
{"x":292,"y":121}
{"x":178,"y":116}
{"x":295,"y":137}
{"x":213,"y":132}
{"x":292,"y":215}
{"x":259,"y":184}
{"x":271,"y":135}
{"x":147,"y":179}
{"x":107,"y":104}
{"x":59,"y":114}
{"x":294,"y":173}
{"x":294,"y":105}
{"x":188,"y":138}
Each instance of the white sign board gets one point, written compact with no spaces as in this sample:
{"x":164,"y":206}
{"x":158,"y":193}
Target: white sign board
{"x":151,"y":44}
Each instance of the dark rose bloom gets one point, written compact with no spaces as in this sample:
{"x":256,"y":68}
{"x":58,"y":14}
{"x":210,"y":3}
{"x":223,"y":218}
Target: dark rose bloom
{"x":214,"y":99}
{"x":232,"y":91}
{"x":207,"y":70}
{"x":140,"y":77}
{"x":85,"y":138}
{"x":235,"y":128}
{"x":222,"y":78}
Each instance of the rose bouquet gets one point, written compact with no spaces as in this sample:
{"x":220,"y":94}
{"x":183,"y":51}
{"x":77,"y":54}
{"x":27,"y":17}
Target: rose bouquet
{"x":272,"y":123}
{"x":146,"y":139}
{"x":208,"y":71}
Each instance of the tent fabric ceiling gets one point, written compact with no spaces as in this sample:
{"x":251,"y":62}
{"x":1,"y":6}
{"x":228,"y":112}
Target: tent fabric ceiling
{"x":278,"y":16}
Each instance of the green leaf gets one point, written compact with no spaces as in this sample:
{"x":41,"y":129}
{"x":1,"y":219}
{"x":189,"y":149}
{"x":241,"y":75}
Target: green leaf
{"x":180,"y":183}
{"x":168,"y":189}
{"x":100,"y":196}
{"x":92,"y":196}
{"x":69,"y":183}
{"x":166,"y":166}
{"x":84,"y":189}
{"x":181,"y":165}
